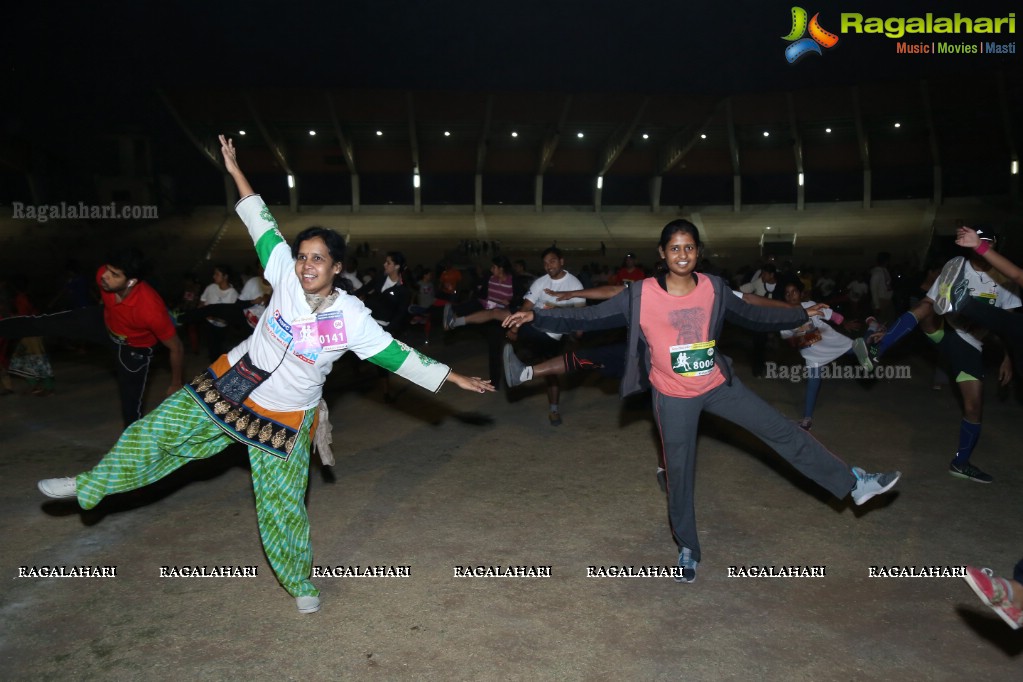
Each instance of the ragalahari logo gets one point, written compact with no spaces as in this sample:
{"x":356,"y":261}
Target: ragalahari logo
{"x":802,"y":46}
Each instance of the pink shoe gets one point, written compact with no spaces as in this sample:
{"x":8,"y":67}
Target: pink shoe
{"x":994,"y":592}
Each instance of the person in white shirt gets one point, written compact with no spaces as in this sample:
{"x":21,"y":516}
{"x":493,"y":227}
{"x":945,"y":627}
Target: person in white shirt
{"x":265,"y":393}
{"x":217,"y":294}
{"x":253,"y":299}
{"x":959,"y":341}
{"x":881,"y":288}
{"x":350,"y":277}
{"x":764,"y":284}
{"x":547,"y":345}
{"x":220,"y":290}
{"x":819,"y":345}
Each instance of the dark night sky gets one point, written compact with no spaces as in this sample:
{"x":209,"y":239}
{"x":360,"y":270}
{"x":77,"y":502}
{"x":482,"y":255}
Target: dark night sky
{"x":91,"y":64}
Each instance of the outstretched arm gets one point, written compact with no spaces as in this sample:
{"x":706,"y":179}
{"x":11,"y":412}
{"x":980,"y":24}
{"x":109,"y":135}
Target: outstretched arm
{"x":967,"y":237}
{"x":764,"y":318}
{"x":231,"y":164}
{"x":594,"y":293}
{"x":516,"y":320}
{"x":607,"y":315}
{"x":474,"y":384}
{"x":764,"y":302}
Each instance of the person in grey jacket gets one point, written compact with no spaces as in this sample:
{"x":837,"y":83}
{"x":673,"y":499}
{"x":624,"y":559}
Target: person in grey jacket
{"x":674,"y":322}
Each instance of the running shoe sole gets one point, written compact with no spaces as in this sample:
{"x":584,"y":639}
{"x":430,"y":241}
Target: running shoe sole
{"x":862,"y":356}
{"x":947,"y":280}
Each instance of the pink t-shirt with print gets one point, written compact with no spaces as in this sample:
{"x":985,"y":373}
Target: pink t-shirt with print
{"x":683,"y":360}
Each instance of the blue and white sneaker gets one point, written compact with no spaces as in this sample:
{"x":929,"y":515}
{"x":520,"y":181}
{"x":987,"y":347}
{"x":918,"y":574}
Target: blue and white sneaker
{"x":869,"y":485}
{"x":688,"y":566}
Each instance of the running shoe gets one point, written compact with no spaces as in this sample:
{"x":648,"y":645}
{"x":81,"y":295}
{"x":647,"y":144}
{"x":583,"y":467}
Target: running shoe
{"x":969,"y":472}
{"x":869,"y":485}
{"x":688,"y":566}
{"x":994,"y":592}
{"x":513,"y":367}
{"x":449,"y":317}
{"x":952,"y":287}
{"x":859,"y":348}
{"x":554,"y":418}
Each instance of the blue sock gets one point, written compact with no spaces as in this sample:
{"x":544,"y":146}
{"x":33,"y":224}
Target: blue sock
{"x":969,"y":434}
{"x":902,"y":326}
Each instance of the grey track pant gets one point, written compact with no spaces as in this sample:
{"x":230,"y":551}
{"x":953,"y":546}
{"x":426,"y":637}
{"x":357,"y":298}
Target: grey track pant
{"x":677,"y":420}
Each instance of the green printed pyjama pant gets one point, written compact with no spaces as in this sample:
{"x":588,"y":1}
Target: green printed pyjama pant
{"x":179,"y":431}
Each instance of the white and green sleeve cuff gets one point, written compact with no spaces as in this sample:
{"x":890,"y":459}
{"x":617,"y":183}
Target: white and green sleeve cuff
{"x":410,"y":364}
{"x":261,"y":225}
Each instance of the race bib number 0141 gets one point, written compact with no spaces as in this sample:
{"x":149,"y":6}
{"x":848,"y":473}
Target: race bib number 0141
{"x":326,"y":333}
{"x":693,"y":359}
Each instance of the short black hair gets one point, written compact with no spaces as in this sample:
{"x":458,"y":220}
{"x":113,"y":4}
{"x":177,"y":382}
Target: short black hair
{"x":128,"y":260}
{"x":552,"y":249}
{"x":502,"y":262}
{"x":335,"y":242}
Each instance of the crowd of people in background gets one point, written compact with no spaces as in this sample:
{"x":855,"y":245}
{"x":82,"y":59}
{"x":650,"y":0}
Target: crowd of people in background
{"x":213,"y":316}
{"x":479,"y":285}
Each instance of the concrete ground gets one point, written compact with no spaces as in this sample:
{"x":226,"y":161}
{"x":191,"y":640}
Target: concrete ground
{"x":438,"y":482}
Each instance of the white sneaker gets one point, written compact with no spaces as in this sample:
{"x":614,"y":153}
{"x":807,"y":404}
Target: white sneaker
{"x":307,"y":604}
{"x":59,"y":488}
{"x":951,"y":293}
{"x":859,"y":348}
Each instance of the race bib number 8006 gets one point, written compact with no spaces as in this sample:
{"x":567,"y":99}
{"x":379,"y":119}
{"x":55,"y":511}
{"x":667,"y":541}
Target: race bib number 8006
{"x":693,"y":359}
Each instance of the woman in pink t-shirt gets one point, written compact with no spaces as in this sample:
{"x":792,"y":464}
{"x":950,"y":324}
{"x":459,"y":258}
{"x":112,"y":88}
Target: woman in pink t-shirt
{"x":675,"y":321}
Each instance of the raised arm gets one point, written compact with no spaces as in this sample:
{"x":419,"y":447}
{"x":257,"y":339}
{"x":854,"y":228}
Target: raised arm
{"x":262,"y":226}
{"x":231,"y":164}
{"x":967,"y":237}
